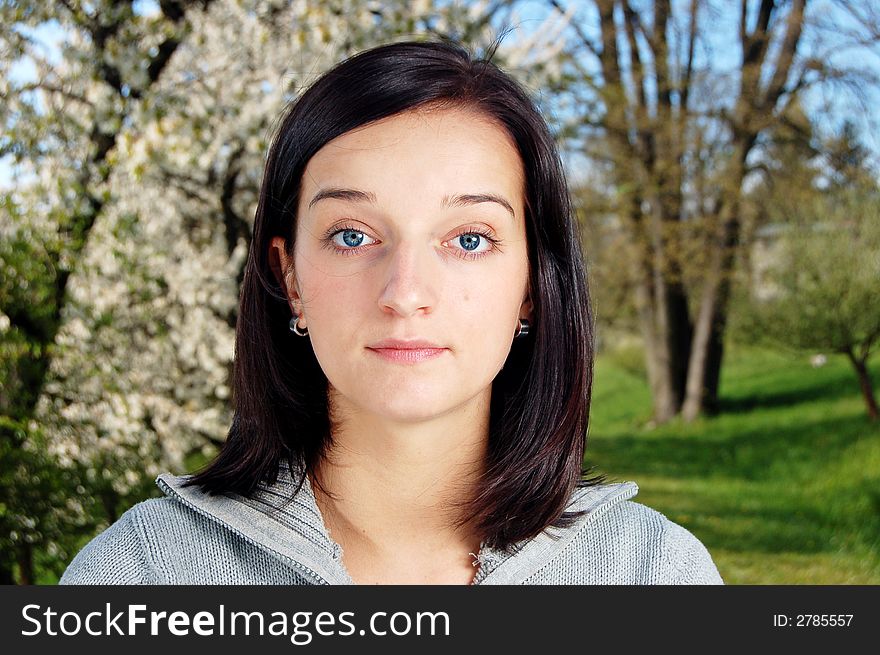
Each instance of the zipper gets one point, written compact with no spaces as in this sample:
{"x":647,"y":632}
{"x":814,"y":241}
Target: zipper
{"x":483,"y":569}
{"x":297,"y":565}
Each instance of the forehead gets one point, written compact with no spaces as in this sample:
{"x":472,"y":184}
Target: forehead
{"x":432,"y":151}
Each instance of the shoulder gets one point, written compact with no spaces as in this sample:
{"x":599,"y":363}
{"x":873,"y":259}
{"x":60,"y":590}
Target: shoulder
{"x":163,"y":541}
{"x":634,"y":544}
{"x":157,"y":541}
{"x":120,"y":554}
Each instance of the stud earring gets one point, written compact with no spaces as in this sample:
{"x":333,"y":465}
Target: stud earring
{"x":522,"y":329}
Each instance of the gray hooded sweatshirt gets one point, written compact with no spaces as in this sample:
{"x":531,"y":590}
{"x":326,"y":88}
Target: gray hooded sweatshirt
{"x":277,"y":536}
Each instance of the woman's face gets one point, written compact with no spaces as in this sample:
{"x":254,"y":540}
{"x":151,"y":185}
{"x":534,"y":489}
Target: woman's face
{"x":397,"y":239}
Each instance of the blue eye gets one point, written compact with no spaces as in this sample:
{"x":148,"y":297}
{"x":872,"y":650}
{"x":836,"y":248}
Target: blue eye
{"x":472,"y":244}
{"x":469,"y":241}
{"x":352,"y":238}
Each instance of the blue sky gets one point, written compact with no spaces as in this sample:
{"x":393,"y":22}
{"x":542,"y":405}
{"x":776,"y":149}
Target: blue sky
{"x":49,"y":34}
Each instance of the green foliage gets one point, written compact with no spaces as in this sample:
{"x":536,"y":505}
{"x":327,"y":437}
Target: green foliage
{"x":823,"y":287}
{"x":628,"y":356}
{"x":816,"y":268}
{"x":27,"y":299}
{"x":33,"y":491}
{"x":42,"y":507}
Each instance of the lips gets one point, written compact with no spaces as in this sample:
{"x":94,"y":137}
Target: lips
{"x":407,"y":351}
{"x":405,"y":344}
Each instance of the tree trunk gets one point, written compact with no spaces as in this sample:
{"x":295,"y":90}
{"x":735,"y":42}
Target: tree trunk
{"x":665,"y":325}
{"x":704,"y":368}
{"x":645,"y":311}
{"x":680,"y":341}
{"x":860,"y":364}
{"x":109,"y":501}
{"x":708,"y":348}
{"x":713,"y":366}
{"x":673,"y":325}
{"x":6,"y":577}
{"x":25,"y":556}
{"x":657,"y":354}
{"x":695,"y":395}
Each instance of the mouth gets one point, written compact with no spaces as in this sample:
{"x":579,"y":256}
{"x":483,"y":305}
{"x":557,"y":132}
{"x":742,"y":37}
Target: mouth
{"x":415,"y":343}
{"x":408,"y":355}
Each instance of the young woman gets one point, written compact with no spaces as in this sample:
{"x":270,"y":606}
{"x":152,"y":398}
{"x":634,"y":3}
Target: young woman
{"x":414,"y":356}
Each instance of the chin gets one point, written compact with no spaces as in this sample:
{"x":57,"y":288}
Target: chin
{"x":409,"y":410}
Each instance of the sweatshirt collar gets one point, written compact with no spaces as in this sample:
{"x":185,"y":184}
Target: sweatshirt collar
{"x":277,"y":518}
{"x":286,"y":523}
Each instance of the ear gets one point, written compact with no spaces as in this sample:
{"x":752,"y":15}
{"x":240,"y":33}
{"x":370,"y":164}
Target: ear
{"x":282,"y":268}
{"x":278,"y":259}
{"x":526,"y":310}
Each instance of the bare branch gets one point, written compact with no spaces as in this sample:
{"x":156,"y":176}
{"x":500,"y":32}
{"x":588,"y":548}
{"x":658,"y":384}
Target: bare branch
{"x":630,"y":19}
{"x":689,"y":62}
{"x":191,"y":187}
{"x":755,"y":48}
{"x":786,"y":53}
{"x":582,"y":36}
{"x":662,"y":10}
{"x":52,"y":88}
{"x":234,"y":224}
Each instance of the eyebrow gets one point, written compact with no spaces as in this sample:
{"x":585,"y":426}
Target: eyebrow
{"x":458,"y":200}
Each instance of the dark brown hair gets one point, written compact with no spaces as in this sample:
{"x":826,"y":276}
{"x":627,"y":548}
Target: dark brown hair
{"x":540,"y":399}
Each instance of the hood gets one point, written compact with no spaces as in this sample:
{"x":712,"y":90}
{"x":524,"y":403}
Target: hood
{"x":287,"y":524}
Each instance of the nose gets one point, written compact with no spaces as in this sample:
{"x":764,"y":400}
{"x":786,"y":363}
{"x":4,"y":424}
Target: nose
{"x":408,"y":284}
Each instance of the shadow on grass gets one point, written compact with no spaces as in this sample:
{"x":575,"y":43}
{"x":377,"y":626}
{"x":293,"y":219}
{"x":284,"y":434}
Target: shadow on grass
{"x":776,"y":529}
{"x":793,"y":392}
{"x":749,"y":454}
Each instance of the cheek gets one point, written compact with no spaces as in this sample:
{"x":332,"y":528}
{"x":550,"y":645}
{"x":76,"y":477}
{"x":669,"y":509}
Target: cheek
{"x":486,"y":309}
{"x":336,"y":311}
{"x":332,"y":299}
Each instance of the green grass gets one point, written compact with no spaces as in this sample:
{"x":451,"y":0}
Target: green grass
{"x":782,"y":486}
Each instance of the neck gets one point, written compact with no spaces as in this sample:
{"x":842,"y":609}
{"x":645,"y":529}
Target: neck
{"x":394,"y":485}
